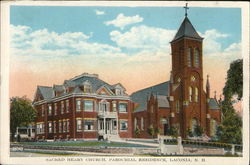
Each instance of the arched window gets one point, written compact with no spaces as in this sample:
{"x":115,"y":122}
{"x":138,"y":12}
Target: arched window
{"x":194,"y":124}
{"x":213,"y":127}
{"x":196,"y":94}
{"x":196,"y":57}
{"x":189,"y":57}
{"x":190,"y":94}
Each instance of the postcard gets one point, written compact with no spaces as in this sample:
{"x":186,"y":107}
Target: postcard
{"x":124,"y":82}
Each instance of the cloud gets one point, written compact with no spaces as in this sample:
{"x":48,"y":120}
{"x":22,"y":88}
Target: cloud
{"x":234,"y":47}
{"x":211,"y":43}
{"x":98,"y":12}
{"x":43,"y":43}
{"x":144,"y":37}
{"x":121,"y":21}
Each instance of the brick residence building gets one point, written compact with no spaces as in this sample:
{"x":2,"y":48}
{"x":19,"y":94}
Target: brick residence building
{"x":83,"y":107}
{"x":87,"y":107}
{"x":180,"y":102}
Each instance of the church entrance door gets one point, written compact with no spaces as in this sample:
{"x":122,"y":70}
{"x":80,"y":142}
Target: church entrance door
{"x":166,"y":129}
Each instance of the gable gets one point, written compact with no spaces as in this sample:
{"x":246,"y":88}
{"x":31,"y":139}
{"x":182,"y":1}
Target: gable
{"x":104,"y":91}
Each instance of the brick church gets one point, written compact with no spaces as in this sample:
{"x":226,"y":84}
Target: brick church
{"x":86,"y":107}
{"x":180,"y":103}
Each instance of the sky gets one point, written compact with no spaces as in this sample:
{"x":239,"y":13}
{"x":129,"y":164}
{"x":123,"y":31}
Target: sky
{"x":129,"y":45}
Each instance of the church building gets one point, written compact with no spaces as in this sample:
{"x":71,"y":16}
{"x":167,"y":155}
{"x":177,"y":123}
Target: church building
{"x":180,"y":104}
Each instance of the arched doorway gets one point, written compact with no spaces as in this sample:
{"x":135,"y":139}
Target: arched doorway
{"x":193,"y":125}
{"x":166,"y":126}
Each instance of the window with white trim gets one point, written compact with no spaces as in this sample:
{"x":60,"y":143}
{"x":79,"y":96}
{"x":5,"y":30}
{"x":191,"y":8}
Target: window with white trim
{"x":67,"y":106}
{"x":62,"y":107}
{"x":88,"y":125}
{"x":78,"y":125}
{"x":49,"y":109}
{"x":64,"y":126}
{"x":88,"y":105}
{"x":78,"y":105}
{"x":123,"y":107}
{"x":123,"y":125}
{"x":114,"y":106}
{"x":50,"y":126}
{"x":87,"y":87}
{"x":118,"y":92}
{"x":40,"y":128}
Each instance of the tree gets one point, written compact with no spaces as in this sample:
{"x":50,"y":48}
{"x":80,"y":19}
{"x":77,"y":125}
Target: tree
{"x":137,"y":131}
{"x":173,"y":131}
{"x":234,"y":83}
{"x":230,"y":130}
{"x":198,"y":131}
{"x":151,"y":130}
{"x":21,"y":113}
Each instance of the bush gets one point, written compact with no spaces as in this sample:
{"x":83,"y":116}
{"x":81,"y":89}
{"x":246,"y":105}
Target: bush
{"x":137,"y":131}
{"x":173,"y":132}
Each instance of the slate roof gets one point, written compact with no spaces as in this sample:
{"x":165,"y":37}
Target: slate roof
{"x":96,"y":83}
{"x":76,"y":82}
{"x":46,"y":92}
{"x":59,"y":88}
{"x":141,"y":96}
{"x":213,"y":104}
{"x":162,"y":101}
{"x":187,"y":30}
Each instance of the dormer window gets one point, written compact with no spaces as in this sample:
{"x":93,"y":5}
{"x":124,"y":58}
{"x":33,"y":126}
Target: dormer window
{"x":118,"y":92}
{"x":87,"y":87}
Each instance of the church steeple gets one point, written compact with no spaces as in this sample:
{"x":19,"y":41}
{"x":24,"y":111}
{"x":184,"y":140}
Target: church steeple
{"x":186,"y":29}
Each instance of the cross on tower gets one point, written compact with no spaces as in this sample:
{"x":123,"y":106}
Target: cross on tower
{"x":186,"y":8}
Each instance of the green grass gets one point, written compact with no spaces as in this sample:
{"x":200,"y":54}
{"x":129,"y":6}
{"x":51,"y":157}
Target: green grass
{"x":52,"y":153}
{"x":83,"y":144}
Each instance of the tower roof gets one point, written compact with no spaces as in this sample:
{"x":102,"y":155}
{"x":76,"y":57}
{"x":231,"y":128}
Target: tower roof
{"x":187,"y":30}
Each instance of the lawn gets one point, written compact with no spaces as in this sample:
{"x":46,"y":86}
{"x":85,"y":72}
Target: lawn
{"x":84,"y":144}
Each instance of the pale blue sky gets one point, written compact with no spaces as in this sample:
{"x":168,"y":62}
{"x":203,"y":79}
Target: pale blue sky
{"x":84,"y":19}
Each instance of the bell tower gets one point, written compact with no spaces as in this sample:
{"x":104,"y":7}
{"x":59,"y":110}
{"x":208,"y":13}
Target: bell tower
{"x":187,"y":78}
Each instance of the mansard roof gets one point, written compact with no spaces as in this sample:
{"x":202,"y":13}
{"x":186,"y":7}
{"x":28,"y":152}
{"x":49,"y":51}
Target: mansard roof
{"x":160,"y":90}
{"x":187,"y":30}
{"x":213,"y":104}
